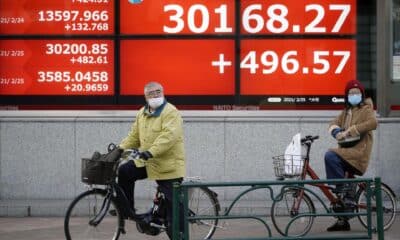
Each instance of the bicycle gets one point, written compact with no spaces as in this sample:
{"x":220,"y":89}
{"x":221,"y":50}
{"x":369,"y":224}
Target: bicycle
{"x":293,"y":201}
{"x":101,"y":212}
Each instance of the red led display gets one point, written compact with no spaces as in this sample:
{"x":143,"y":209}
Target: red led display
{"x":56,"y":17}
{"x":297,"y":67}
{"x":184,"y":67}
{"x":178,"y":17}
{"x":298,"y":17}
{"x":56,"y":67}
{"x":241,"y":51}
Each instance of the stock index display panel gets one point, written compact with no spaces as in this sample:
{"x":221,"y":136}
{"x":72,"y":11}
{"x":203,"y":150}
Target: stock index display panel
{"x":52,"y":17}
{"x":248,"y":52}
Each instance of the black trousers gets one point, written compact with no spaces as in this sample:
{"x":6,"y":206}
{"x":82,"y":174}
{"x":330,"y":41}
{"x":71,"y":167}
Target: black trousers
{"x":166,"y":188}
{"x":127,"y":176}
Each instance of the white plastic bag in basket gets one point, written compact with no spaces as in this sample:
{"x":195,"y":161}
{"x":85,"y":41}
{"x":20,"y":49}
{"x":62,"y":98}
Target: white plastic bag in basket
{"x":293,"y":153}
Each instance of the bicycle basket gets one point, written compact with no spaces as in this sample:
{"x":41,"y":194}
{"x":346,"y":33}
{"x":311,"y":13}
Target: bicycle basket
{"x":97,"y":172}
{"x":288,"y":166}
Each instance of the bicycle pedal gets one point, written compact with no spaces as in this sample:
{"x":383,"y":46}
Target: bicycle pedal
{"x":157,"y":226}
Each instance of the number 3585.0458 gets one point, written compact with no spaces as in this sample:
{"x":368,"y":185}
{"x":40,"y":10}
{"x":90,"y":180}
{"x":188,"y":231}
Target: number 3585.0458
{"x":67,"y":76}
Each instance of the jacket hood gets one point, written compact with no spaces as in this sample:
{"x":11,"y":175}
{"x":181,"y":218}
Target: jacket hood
{"x":368,"y":101}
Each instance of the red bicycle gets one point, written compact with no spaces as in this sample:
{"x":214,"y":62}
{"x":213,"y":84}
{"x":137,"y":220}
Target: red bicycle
{"x":293,"y":200}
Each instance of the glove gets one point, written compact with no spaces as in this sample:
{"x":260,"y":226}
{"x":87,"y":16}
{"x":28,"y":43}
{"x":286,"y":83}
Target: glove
{"x":145,"y":155}
{"x":340,"y":136}
{"x":352,"y":132}
{"x":335,"y":132}
{"x":120,"y":150}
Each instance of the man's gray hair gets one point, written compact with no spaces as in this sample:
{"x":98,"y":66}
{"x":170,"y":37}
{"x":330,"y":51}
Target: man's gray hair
{"x":153,"y":85}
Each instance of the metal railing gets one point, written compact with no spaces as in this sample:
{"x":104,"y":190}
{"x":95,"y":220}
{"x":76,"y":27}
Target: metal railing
{"x":180,"y":194}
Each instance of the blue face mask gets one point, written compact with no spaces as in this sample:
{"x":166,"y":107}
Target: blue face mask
{"x":354,"y":99}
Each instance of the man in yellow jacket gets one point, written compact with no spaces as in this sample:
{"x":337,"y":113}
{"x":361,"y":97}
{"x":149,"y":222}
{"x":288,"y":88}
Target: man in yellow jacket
{"x":158,"y":134}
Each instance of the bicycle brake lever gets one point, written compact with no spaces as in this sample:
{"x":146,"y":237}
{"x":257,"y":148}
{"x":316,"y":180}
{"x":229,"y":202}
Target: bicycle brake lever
{"x":111,"y":147}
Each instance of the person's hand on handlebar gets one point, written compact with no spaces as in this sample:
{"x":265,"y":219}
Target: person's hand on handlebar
{"x":145,"y":155}
{"x":132,"y":155}
{"x":128,"y":155}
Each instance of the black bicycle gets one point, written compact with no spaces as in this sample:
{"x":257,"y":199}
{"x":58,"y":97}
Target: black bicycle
{"x":101,"y":212}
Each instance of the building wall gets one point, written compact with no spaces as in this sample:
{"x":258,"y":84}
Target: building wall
{"x":40,"y":152}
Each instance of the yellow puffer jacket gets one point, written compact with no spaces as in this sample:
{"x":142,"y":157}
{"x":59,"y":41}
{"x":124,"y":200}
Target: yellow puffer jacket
{"x":160,"y":133}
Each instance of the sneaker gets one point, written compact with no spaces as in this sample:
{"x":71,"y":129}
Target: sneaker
{"x":340,"y":225}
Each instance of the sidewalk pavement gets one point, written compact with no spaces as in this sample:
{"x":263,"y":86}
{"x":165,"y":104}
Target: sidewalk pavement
{"x":52,"y":228}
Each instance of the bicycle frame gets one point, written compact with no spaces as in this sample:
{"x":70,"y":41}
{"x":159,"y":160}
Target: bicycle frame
{"x":114,"y":192}
{"x":121,"y":201}
{"x":325,"y":188}
{"x":103,"y":211}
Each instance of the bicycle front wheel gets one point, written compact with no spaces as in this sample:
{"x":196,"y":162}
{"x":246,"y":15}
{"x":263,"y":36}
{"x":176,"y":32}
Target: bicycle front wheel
{"x":388,"y":204}
{"x":84,"y":218}
{"x":283,"y":211}
{"x":202,"y":202}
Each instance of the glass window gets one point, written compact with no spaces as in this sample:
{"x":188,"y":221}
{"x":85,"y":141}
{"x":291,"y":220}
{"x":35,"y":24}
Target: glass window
{"x":396,"y":40}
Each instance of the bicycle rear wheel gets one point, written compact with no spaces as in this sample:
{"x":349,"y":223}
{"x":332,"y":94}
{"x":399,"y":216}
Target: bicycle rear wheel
{"x":202,"y":202}
{"x":282,"y":213}
{"x":83,"y":220}
{"x":388,"y":203}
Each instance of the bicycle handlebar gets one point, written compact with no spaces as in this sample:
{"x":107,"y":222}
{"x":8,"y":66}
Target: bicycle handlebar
{"x":111,"y":147}
{"x":130,"y":155}
{"x":309,"y":138}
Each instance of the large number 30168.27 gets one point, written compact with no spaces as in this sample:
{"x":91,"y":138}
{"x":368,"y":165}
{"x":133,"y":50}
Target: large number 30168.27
{"x":253,"y":20}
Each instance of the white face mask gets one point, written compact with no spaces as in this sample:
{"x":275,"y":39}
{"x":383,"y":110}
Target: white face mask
{"x":155,"y":102}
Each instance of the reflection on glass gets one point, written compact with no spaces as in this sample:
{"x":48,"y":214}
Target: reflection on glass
{"x":396,"y":27}
{"x":396,"y":40}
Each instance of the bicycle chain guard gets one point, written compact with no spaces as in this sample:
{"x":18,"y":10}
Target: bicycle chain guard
{"x":144,"y":226}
